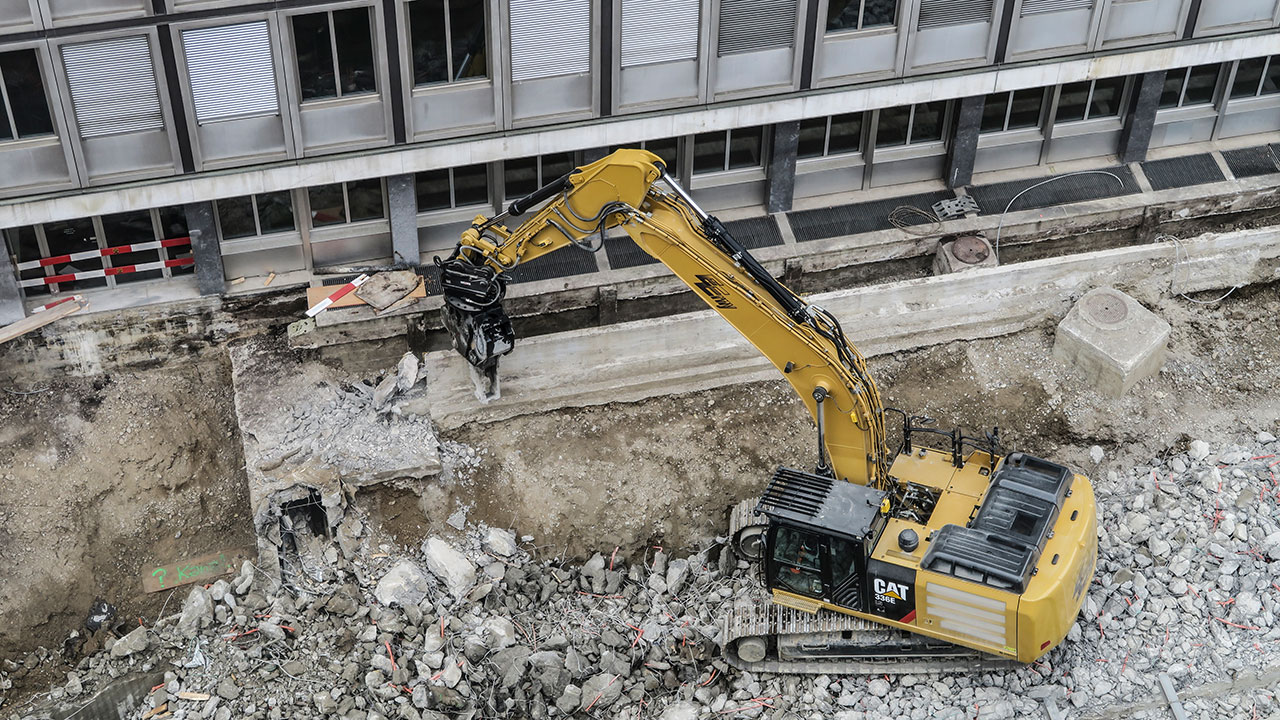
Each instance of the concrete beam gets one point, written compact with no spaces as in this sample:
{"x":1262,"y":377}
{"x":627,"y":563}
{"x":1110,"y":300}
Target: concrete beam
{"x":780,"y":180}
{"x":963,"y":151}
{"x":698,"y":351}
{"x":604,"y":132}
{"x":1140,"y":121}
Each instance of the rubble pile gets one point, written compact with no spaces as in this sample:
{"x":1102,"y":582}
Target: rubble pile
{"x":479,"y":625}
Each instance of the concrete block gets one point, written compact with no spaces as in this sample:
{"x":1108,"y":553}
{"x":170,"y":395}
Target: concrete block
{"x":1112,"y":339}
{"x":957,"y":253}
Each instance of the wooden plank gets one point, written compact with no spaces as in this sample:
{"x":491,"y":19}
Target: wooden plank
{"x":316,"y":294}
{"x":202,"y":569}
{"x":40,"y":319}
{"x":196,"y":696}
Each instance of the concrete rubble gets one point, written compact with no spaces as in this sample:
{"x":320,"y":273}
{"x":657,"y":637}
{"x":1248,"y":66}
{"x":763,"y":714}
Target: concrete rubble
{"x":1188,"y":584}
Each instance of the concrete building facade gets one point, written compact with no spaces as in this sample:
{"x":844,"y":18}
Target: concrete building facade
{"x":301,"y":138}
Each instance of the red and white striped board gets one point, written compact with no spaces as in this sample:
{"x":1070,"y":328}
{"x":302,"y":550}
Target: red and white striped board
{"x":103,"y":252}
{"x":341,"y":293}
{"x":56,"y":303}
{"x":122,"y":270}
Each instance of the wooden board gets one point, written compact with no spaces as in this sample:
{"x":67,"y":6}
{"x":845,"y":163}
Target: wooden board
{"x":316,"y":294}
{"x":40,"y":319}
{"x":202,"y":569}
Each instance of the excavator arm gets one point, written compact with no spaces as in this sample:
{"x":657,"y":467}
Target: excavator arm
{"x":629,"y":189}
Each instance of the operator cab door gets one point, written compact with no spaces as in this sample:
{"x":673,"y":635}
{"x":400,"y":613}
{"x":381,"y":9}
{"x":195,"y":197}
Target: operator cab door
{"x":823,"y":567}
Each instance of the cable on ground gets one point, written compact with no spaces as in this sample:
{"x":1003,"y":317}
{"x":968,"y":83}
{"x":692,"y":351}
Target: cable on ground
{"x":899,"y":216}
{"x":1000,"y":227}
{"x":1180,"y":256}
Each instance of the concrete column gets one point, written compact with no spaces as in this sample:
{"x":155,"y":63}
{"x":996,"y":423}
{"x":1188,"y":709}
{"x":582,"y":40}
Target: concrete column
{"x":206,"y":247}
{"x":11,"y":309}
{"x":780,"y":178}
{"x":964,"y":144}
{"x":402,"y":200}
{"x":1135,"y":138}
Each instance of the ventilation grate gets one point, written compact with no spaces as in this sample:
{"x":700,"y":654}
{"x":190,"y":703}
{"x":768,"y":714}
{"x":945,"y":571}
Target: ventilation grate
{"x":945,"y":13}
{"x":859,"y":218}
{"x":1182,"y":171}
{"x":1036,"y":7}
{"x":623,"y":253}
{"x":994,"y":198}
{"x":572,"y":261}
{"x":755,"y":232}
{"x":1251,"y":162}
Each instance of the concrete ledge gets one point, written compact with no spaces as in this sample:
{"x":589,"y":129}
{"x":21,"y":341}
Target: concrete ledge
{"x":635,"y":360}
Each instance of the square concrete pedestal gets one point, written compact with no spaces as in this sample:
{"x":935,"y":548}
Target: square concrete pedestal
{"x":957,"y":253}
{"x":1112,"y":339}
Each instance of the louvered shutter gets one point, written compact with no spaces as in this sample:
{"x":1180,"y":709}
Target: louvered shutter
{"x":655,"y":31}
{"x":113,"y":86}
{"x":231,"y":71}
{"x":943,"y":13}
{"x":1035,"y":7}
{"x":756,"y":25}
{"x":550,"y":38}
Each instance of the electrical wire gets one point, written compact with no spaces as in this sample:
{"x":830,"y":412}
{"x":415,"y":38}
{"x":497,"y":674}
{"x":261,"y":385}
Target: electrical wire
{"x":899,"y":216}
{"x":1180,"y":256}
{"x":1000,"y":227}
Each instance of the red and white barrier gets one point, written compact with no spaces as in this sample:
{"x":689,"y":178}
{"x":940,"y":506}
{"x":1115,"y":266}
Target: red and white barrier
{"x":122,"y":270}
{"x":103,"y":252}
{"x":55,"y":303}
{"x":341,"y":293}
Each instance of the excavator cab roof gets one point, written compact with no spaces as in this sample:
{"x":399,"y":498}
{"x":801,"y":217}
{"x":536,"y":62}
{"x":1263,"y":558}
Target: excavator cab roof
{"x":821,"y":503}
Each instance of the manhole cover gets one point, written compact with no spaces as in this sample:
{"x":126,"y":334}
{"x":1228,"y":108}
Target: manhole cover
{"x":970,"y":249}
{"x":1107,"y":308}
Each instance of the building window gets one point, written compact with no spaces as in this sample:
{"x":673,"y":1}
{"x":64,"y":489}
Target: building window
{"x":911,"y":124}
{"x":252,"y":215}
{"x":667,"y":148}
{"x":335,"y":53}
{"x":448,"y":39}
{"x":452,"y":187}
{"x":861,"y":14}
{"x":1017,"y":110}
{"x":1090,"y":100}
{"x":524,"y":175}
{"x":834,"y":135}
{"x":1256,"y":77}
{"x":1190,"y":86}
{"x":24,"y":109}
{"x":728,"y":150}
{"x":346,"y":202}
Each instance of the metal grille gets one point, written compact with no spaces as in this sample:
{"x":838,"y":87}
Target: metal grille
{"x":1035,"y":7}
{"x":854,"y":219}
{"x":674,"y":37}
{"x":1182,"y":172}
{"x":1251,"y":162}
{"x":798,"y":492}
{"x":562,"y":264}
{"x":623,"y":253}
{"x":550,"y":38}
{"x":231,"y":71}
{"x":944,"y":13}
{"x":747,"y":25}
{"x":755,"y":232}
{"x":113,"y":86}
{"x":994,"y":198}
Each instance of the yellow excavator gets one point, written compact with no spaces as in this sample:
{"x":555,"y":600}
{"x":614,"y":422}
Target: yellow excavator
{"x":962,"y":547}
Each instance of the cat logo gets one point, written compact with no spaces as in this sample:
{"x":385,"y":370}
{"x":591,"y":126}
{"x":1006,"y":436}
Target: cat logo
{"x":715,"y":292}
{"x":890,"y":591}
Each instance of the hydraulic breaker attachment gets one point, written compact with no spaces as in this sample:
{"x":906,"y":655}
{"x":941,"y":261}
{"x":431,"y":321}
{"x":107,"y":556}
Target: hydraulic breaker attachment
{"x":474,"y":317}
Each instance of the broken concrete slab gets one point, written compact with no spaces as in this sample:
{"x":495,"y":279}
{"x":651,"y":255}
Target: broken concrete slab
{"x":445,"y":562}
{"x":1112,"y":339}
{"x":404,"y":585}
{"x":385,"y":289}
{"x":698,"y":351}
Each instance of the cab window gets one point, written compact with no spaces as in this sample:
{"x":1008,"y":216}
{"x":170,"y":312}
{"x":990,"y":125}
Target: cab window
{"x":797,"y":562}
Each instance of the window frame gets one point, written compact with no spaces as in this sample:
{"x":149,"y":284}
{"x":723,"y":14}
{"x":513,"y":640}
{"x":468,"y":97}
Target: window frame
{"x":376,"y":46}
{"x":1269,"y":62}
{"x":862,"y":13}
{"x":6,"y":105}
{"x":257,"y":218}
{"x":454,"y":206}
{"x":407,"y":16}
{"x":1126,"y":91}
{"x":765,"y":139}
{"x":1008,"y":113}
{"x":948,"y":113}
{"x":346,"y":207}
{"x":576,"y":159}
{"x":1221,"y":89}
{"x":826,"y":140}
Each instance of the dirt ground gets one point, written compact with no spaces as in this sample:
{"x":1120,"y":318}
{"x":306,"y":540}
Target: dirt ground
{"x":101,"y":477}
{"x":663,"y":471}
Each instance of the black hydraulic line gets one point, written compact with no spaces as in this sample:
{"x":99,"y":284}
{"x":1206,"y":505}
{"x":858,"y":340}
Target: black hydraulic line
{"x":550,"y":190}
{"x":795,"y":307}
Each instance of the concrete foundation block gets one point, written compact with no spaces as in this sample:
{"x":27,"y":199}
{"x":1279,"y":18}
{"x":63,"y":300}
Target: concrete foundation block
{"x":1112,"y":339}
{"x":957,"y":253}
